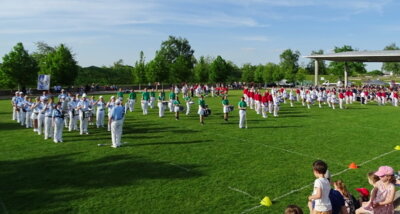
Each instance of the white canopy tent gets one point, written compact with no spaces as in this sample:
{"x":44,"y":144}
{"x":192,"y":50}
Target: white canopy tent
{"x":355,"y":56}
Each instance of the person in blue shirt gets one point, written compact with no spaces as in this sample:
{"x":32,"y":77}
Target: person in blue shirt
{"x":117,"y":121}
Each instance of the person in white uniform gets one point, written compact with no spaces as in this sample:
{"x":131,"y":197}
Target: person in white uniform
{"x":41,"y":115}
{"x":117,"y":120}
{"x":48,"y":125}
{"x":110,"y":105}
{"x":242,"y":106}
{"x":28,"y":112}
{"x":73,"y":113}
{"x":58,"y":120}
{"x":83,"y":109}
{"x":101,"y":106}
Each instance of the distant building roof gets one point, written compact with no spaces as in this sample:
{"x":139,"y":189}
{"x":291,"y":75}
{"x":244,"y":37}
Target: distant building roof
{"x":360,"y":56}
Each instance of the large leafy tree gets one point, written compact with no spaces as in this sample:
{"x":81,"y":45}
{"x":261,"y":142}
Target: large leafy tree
{"x":234,"y":72}
{"x":178,"y":55}
{"x":391,"y":66}
{"x":139,"y":71}
{"x":218,"y":70}
{"x":202,"y":70}
{"x":289,"y":64}
{"x":248,"y":71}
{"x":321,"y":64}
{"x":18,"y":68}
{"x":259,"y":73}
{"x":272,"y":73}
{"x":157,"y":70}
{"x":59,"y":63}
{"x":337,"y":68}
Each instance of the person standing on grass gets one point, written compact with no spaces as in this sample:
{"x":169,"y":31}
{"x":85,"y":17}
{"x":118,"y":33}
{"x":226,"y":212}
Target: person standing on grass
{"x":152,"y":98}
{"x":264,"y":105}
{"x":172,"y":97}
{"x":48,"y":125}
{"x":28,"y":112}
{"x":145,"y":101}
{"x":176,"y":106}
{"x":341,"y":99}
{"x":320,"y":195}
{"x":83,"y":109}
{"x":202,"y":109}
{"x":120,"y":94}
{"x":110,"y":105}
{"x":242,"y":106}
{"x":14,"y":105}
{"x":36,"y":110}
{"x":132,"y":100}
{"x":73,"y":114}
{"x":101,"y":105}
{"x":225,"y":107}
{"x":58,"y":123}
{"x":189,"y":102}
{"x":117,"y":121}
{"x":160,"y":103}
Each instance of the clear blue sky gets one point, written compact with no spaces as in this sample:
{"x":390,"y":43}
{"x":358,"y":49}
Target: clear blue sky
{"x":256,"y":31}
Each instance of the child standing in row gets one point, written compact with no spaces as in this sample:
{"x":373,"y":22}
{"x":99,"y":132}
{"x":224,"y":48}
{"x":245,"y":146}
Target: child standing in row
{"x":320,"y":196}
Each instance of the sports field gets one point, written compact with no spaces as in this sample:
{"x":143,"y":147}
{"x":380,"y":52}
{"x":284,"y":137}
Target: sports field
{"x":170,"y":166}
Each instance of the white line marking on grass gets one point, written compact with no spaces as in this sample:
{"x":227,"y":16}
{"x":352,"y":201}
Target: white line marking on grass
{"x":251,"y":209}
{"x":241,"y":191}
{"x":292,"y":191}
{"x":180,"y":167}
{"x":384,"y":154}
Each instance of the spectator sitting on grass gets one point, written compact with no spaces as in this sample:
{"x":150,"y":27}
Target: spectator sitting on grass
{"x":384,"y":191}
{"x":372,"y":179}
{"x":350,"y":202}
{"x":293,"y":209}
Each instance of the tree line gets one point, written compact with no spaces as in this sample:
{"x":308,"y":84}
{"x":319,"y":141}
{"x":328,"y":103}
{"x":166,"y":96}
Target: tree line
{"x":173,"y":63}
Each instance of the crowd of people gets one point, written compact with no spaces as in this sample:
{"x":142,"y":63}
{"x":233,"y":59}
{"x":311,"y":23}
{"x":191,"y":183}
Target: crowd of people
{"x":46,"y":116}
{"x":333,"y":197}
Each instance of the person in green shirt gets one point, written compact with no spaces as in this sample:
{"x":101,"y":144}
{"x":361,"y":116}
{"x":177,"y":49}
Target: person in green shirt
{"x":160,"y":104}
{"x":145,"y":101}
{"x":176,"y":108}
{"x":202,"y":109}
{"x":189,"y":102}
{"x":120,"y":94}
{"x":242,"y":105}
{"x":172,"y":97}
{"x":132,"y":100}
{"x":225,"y":107}
{"x":152,"y":98}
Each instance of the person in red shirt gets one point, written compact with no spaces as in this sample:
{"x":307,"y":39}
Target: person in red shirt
{"x":245,"y":94}
{"x":297,"y":94}
{"x":251,"y":98}
{"x":264,"y":105}
{"x":270,"y":103}
{"x":341,"y":98}
{"x":395,"y":98}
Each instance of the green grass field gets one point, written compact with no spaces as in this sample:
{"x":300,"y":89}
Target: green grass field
{"x":170,"y":166}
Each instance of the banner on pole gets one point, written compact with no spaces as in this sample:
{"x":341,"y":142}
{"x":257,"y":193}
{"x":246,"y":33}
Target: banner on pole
{"x":43,"y":82}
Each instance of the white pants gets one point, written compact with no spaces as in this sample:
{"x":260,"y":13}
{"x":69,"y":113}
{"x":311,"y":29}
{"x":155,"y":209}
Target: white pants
{"x":48,"y":128}
{"x":270,"y":107}
{"x":66,"y":121}
{"x":171,"y":106}
{"x":22,"y":118}
{"x":40,"y":123}
{"x":395,"y":101}
{"x":161,"y":109}
{"x":242,"y":118}
{"x":58,"y":129}
{"x":83,"y":123}
{"x":188,"y":108}
{"x":259,"y":107}
{"x":340,"y":103}
{"x":131,"y":103}
{"x":73,"y":122}
{"x":116,"y":132}
{"x":145,"y":106}
{"x":152,"y":102}
{"x":100,"y":118}
{"x":28,"y":119}
{"x":15,"y":113}
{"x":251,"y":103}
{"x":276,"y":110}
{"x":264,"y":110}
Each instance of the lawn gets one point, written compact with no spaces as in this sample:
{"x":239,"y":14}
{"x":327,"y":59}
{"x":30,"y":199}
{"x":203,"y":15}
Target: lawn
{"x":170,"y":166}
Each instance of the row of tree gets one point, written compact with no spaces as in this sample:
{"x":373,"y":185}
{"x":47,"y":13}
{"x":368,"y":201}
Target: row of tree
{"x":174,"y":62}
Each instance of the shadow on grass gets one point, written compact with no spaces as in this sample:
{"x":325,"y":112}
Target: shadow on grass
{"x":11,"y":126}
{"x":50,"y":184}
{"x":273,"y":127}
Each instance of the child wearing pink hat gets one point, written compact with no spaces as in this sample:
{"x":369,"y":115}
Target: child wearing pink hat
{"x":384,"y":191}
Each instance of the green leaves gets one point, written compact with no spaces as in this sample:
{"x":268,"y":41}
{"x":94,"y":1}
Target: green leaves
{"x":18,"y":68}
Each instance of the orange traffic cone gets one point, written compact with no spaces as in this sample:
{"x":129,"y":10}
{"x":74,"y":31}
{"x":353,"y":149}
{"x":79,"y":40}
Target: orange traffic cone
{"x":353,"y":166}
